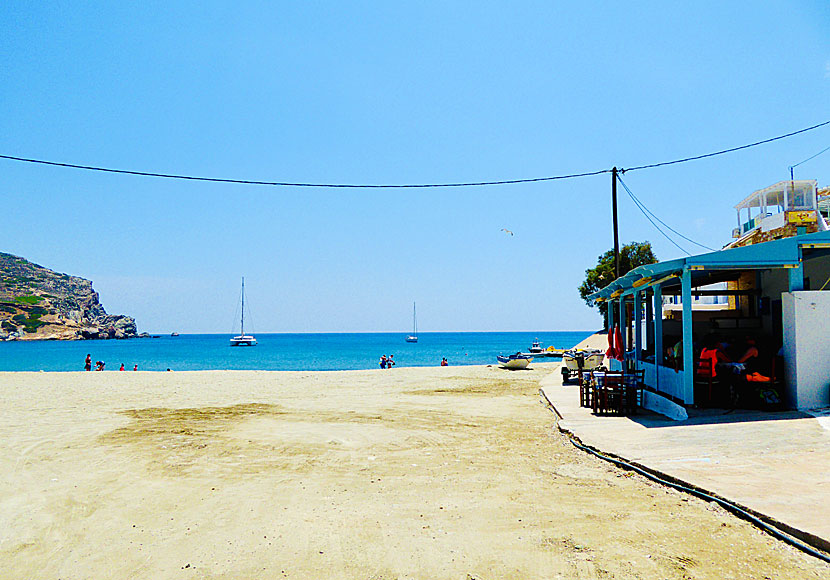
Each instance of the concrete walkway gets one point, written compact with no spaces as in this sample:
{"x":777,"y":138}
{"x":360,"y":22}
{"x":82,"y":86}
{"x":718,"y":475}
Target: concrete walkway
{"x":775,"y":465}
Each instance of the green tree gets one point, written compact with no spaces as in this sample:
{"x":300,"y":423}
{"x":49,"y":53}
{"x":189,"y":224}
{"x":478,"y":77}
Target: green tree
{"x":631,"y":256}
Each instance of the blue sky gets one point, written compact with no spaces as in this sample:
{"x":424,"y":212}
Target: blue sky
{"x":403,"y":92}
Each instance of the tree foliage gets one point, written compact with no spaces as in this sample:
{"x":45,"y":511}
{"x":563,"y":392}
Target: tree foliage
{"x":632,"y":255}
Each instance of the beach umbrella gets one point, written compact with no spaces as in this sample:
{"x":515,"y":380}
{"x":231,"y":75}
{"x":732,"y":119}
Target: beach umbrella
{"x":618,"y":343}
{"x":612,"y":351}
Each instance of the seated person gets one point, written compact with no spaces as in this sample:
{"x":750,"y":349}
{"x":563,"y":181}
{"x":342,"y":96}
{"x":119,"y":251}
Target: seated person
{"x":711,"y":352}
{"x":750,"y":356}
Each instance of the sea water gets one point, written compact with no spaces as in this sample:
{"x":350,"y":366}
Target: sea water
{"x":277,"y":352}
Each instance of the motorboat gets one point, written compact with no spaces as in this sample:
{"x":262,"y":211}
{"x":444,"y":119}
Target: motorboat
{"x":516,"y":361}
{"x":537,"y":351}
{"x":536,"y":347}
{"x":581,"y":359}
{"x":243,"y":339}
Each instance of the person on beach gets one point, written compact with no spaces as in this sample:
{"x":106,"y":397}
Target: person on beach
{"x":383,"y":361}
{"x":390,"y":362}
{"x":88,"y":363}
{"x":99,"y":365}
{"x":135,"y":368}
{"x":122,"y":367}
{"x":444,"y":362}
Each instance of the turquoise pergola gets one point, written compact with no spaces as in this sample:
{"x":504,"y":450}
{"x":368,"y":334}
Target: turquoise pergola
{"x":784,"y":257}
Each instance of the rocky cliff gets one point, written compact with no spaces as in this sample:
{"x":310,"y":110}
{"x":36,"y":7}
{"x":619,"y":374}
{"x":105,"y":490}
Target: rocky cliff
{"x":39,"y":304}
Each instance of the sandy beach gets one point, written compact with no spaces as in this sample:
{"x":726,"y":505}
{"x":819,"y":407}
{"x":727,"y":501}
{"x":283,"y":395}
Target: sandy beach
{"x":412,"y":473}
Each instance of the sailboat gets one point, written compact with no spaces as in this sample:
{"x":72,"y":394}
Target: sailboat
{"x":243,"y":339}
{"x":414,"y":336}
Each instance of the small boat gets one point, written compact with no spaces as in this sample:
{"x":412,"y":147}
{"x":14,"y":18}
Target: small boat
{"x":515,"y":361}
{"x":174,"y":334}
{"x":588,"y":359}
{"x":536,"y":347}
{"x":243,"y":339}
{"x":414,"y":336}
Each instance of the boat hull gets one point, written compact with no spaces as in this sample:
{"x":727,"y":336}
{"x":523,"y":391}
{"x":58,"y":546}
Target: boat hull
{"x":514,"y":362}
{"x":243,"y":341}
{"x":411,"y":339}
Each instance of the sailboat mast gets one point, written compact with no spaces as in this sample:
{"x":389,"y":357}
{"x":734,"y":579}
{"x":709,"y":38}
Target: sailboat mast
{"x":414,"y":320}
{"x":242,"y":325}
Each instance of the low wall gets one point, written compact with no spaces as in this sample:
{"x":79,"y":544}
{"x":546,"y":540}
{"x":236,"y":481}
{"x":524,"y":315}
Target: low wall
{"x":806,"y":315}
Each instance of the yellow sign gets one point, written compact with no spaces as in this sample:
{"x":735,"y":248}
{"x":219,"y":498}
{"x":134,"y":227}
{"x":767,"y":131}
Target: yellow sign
{"x":801,"y":217}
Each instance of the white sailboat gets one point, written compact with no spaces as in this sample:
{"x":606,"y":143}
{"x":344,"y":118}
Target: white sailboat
{"x":414,"y":336}
{"x":243,"y":339}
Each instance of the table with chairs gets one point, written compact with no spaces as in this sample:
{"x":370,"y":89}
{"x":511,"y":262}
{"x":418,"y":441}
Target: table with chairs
{"x":611,"y":392}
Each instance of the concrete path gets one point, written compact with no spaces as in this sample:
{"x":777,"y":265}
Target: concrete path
{"x":772,"y":464}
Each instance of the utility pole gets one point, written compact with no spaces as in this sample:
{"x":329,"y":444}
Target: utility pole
{"x":616,"y":232}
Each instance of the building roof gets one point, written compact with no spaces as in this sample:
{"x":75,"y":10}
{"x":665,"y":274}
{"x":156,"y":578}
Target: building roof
{"x":781,"y":253}
{"x":757,"y":199}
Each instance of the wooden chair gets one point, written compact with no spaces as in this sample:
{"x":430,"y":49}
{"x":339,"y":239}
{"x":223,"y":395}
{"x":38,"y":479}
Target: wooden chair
{"x":705,"y":377}
{"x":633,"y":383}
{"x":609,"y":393}
{"x":586,"y":389}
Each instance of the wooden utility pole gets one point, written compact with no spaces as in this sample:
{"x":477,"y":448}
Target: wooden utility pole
{"x":616,"y":232}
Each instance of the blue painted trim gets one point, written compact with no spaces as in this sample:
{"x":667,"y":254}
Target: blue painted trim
{"x":773,"y":254}
{"x":688,"y":339}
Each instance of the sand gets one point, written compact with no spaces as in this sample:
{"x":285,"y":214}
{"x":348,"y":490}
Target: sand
{"x":429,"y":473}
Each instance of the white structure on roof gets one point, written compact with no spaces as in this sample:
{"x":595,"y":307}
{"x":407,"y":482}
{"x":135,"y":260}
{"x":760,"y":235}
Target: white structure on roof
{"x":786,"y":202}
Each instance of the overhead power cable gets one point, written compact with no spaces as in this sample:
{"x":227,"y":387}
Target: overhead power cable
{"x":293,"y":184}
{"x":644,"y":209}
{"x":397,"y":186}
{"x":811,"y":157}
{"x":648,"y":217}
{"x":723,"y":151}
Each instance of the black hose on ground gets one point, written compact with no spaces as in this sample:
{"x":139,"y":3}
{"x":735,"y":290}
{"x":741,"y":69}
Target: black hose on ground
{"x":723,"y":503}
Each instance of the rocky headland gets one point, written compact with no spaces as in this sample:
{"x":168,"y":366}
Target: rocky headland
{"x":39,"y":304}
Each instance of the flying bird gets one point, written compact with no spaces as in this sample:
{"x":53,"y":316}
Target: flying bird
{"x":506,"y":231}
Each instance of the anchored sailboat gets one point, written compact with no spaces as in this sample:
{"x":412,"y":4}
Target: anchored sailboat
{"x":414,"y":336}
{"x":243,"y":339}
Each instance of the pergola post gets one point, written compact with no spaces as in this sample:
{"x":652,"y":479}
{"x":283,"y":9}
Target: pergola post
{"x":796,"y":275}
{"x":622,"y":320}
{"x":638,"y":327}
{"x":657,"y":299}
{"x":649,"y":320}
{"x":688,"y":337}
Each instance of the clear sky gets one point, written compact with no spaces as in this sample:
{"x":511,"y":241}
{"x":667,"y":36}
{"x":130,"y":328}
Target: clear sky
{"x":389,"y":92}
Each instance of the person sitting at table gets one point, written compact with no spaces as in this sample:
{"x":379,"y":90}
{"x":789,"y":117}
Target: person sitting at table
{"x":711,"y":352}
{"x":750,"y":358}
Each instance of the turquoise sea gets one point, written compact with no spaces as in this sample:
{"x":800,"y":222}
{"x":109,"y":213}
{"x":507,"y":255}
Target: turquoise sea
{"x":277,"y":352}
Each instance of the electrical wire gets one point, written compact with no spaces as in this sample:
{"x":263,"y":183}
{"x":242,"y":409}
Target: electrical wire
{"x":770,"y":529}
{"x":637,"y":203}
{"x":292,"y":184}
{"x":685,"y":159}
{"x":811,"y":157}
{"x":642,"y":205}
{"x":775,"y":532}
{"x":399,"y":186}
{"x":722,"y":502}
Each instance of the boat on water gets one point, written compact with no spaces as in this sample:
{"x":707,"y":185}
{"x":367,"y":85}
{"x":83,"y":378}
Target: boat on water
{"x":414,"y":336}
{"x":174,"y":334}
{"x":536,"y":350}
{"x":243,"y":339}
{"x":516,"y":361}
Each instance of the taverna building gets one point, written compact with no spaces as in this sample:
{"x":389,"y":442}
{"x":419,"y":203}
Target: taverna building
{"x":769,"y":287}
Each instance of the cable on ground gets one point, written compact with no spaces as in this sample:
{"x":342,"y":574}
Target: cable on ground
{"x":775,"y":532}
